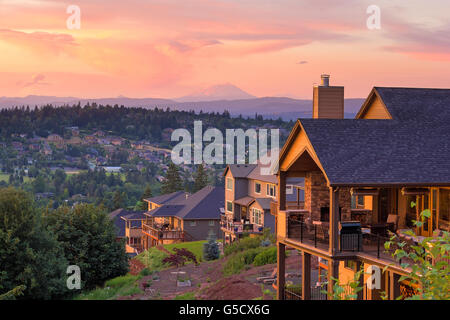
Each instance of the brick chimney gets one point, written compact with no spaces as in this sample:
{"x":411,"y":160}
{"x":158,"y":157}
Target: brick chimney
{"x":328,"y":101}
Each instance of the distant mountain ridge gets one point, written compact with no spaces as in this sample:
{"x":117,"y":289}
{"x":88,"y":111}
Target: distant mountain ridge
{"x":218,"y":92}
{"x":268,"y":107}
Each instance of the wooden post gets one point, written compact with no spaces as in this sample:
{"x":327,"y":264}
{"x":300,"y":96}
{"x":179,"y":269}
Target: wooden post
{"x":394,"y":286}
{"x":282,"y":190}
{"x":306,"y":276}
{"x":334,"y":221}
{"x":333,"y":272}
{"x":281,"y":270}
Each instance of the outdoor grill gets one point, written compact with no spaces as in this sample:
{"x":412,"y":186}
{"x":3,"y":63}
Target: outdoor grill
{"x":350,"y":236}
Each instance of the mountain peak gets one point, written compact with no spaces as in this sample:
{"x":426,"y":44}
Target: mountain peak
{"x":226,"y":91}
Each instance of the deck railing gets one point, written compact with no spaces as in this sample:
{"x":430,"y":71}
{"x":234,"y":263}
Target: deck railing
{"x":161,"y":234}
{"x":238,"y":227}
{"x":317,"y":235}
{"x":311,"y":234}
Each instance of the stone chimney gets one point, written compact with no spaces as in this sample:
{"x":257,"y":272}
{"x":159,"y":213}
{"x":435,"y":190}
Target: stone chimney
{"x":328,"y":101}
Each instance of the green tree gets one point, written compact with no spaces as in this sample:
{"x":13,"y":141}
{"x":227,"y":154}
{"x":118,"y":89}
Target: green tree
{"x":88,"y":238}
{"x":118,"y":200}
{"x":30,"y":255}
{"x":200,"y":179}
{"x":147,"y":193}
{"x":39,"y":184}
{"x":173,"y":181}
{"x":430,"y":270}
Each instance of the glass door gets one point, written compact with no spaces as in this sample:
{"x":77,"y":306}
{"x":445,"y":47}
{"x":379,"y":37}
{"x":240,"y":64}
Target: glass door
{"x":423,"y":203}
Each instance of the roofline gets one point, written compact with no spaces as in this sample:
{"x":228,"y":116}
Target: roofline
{"x":392,"y":184}
{"x":319,"y":164}
{"x":225,"y":171}
{"x":366,"y":103}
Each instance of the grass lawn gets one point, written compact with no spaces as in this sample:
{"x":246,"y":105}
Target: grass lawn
{"x":196,"y":247}
{"x":118,"y":287}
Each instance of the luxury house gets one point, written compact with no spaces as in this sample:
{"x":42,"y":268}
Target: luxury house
{"x":361,"y":176}
{"x":249,"y":196}
{"x":182,"y":216}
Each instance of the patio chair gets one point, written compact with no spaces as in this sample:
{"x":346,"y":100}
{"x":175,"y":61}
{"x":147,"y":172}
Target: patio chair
{"x":392,"y":221}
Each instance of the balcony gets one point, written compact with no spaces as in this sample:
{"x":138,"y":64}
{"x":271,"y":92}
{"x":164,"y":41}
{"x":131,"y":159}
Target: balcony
{"x":229,"y":225}
{"x":369,"y":241}
{"x":162,"y":232}
{"x":291,"y":206}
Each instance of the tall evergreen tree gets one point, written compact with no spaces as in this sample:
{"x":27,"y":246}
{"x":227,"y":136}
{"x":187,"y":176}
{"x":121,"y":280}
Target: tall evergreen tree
{"x":173,"y":181}
{"x":200,"y":179}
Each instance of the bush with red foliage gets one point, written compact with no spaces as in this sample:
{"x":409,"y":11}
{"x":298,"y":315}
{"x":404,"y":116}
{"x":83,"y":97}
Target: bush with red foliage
{"x":180,"y":257}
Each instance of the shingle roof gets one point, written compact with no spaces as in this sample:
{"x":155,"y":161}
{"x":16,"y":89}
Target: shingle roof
{"x":240,"y":170}
{"x":416,"y":103}
{"x":165,"y":198}
{"x":355,"y":151}
{"x":264,"y":202}
{"x":256,"y":175}
{"x":116,"y":217}
{"x":204,"y":204}
{"x":244,"y":201}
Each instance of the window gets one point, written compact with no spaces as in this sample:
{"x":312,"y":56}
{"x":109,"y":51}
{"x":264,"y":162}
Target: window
{"x":229,"y":206}
{"x":229,"y":183}
{"x":257,"y":187}
{"x":271,"y":190}
{"x":192,"y":223}
{"x":350,"y":264}
{"x":257,"y":216}
{"x":357,"y":202}
{"x":211,"y":223}
{"x":289,"y":189}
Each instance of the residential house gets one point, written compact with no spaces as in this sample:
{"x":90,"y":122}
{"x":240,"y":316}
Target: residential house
{"x":129,"y":227}
{"x":180,"y":216}
{"x":249,"y":195}
{"x":57,"y":140}
{"x":361,"y":177}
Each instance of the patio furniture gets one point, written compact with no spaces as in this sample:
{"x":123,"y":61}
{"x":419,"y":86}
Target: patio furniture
{"x":379,"y":229}
{"x":392,"y":221}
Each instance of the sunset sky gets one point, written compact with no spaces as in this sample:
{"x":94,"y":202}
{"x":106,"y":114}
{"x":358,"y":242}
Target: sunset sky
{"x":171,"y":48}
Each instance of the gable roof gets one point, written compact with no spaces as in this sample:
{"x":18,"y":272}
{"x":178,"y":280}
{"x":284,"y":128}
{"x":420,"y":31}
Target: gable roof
{"x":165,"y":198}
{"x":239,"y":170}
{"x":377,"y":152}
{"x":204,"y":204}
{"x":413,"y":103}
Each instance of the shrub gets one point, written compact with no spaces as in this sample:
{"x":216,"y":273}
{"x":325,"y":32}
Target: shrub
{"x":240,"y":260}
{"x":243,"y":244}
{"x":211,"y":249}
{"x":145,"y":272}
{"x":180,"y":257}
{"x":267,"y":256}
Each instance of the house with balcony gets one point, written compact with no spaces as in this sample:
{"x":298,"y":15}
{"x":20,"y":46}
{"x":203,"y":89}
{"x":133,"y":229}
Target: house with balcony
{"x":365,"y":178}
{"x":180,"y":216}
{"x":250,"y":199}
{"x":129,"y":227}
